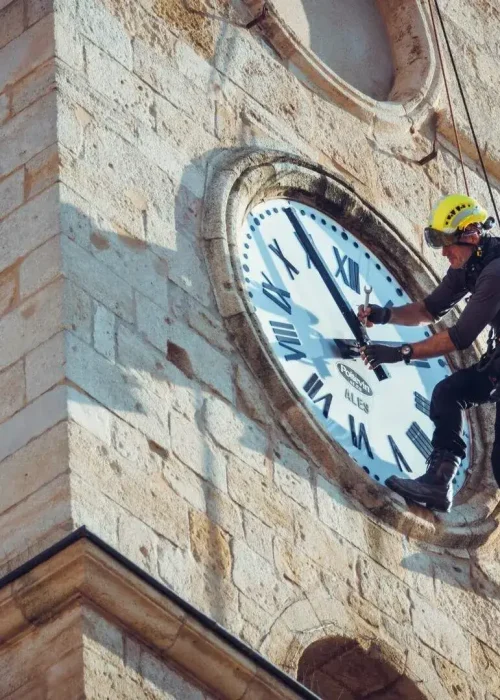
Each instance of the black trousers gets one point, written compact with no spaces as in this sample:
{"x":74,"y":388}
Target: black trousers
{"x":450,"y":397}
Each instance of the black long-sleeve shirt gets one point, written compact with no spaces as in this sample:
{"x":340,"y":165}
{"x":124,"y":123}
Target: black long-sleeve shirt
{"x":483,"y":307}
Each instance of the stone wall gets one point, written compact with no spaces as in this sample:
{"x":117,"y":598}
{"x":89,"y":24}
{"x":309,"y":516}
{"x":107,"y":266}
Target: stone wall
{"x":128,"y":407}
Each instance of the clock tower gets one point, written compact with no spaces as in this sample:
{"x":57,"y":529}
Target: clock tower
{"x":195,"y":198}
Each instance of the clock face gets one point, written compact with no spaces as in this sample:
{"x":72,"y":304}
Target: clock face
{"x":381,"y":420}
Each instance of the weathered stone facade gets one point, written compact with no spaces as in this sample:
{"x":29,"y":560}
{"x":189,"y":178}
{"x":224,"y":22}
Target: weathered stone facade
{"x":128,"y":404}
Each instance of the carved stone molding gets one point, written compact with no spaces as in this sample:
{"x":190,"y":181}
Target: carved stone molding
{"x":240,"y":179}
{"x":417,"y":75}
{"x":83,"y":571}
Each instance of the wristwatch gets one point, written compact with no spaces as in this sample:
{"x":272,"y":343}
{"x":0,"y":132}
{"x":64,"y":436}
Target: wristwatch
{"x":406,"y":353}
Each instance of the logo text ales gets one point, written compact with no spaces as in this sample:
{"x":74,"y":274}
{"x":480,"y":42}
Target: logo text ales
{"x":355,"y":380}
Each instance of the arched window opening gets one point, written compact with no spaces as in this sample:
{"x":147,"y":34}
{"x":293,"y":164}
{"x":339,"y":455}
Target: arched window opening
{"x":350,"y":669}
{"x":349,"y":36}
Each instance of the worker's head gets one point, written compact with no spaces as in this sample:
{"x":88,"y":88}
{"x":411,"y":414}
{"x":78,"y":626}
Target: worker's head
{"x":456,"y":225}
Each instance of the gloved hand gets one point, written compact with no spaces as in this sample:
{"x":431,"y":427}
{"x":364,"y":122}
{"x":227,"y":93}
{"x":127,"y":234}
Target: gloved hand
{"x":374,"y":314}
{"x":375,"y":355}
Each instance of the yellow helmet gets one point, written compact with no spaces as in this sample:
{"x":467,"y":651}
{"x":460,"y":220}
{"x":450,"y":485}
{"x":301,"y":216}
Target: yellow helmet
{"x":451,"y":215}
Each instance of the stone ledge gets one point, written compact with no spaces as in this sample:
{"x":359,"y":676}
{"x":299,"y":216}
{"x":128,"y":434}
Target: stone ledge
{"x":83,"y":567}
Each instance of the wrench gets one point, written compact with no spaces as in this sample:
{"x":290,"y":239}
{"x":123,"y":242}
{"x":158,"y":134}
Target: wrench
{"x":368,"y":291}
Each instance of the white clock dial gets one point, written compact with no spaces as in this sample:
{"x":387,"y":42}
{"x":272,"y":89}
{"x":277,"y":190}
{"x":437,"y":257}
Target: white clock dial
{"x":383,"y":424}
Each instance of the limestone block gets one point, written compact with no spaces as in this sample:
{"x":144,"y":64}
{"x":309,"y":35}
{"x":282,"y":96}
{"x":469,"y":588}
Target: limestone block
{"x":118,"y":84}
{"x":40,"y":267}
{"x":45,"y":366}
{"x":254,"y":492}
{"x":78,"y":312}
{"x":150,"y":500}
{"x":40,"y":650}
{"x":257,"y":579}
{"x":249,"y":65}
{"x":90,"y":415}
{"x":11,"y":193}
{"x":49,"y":452}
{"x":198,"y":584}
{"x":384,"y":590}
{"x":161,"y":72}
{"x":41,"y":171}
{"x":291,"y":473}
{"x":9,"y":289}
{"x":258,"y":536}
{"x":185,"y":483}
{"x":91,"y":508}
{"x":163,"y":682}
{"x":37,"y":220}
{"x":24,"y":54}
{"x":210,"y":545}
{"x":65,"y":678}
{"x":36,"y":522}
{"x":237,"y":434}
{"x":485,"y":664}
{"x":339,"y":513}
{"x":98,"y":281}
{"x":68,"y":42}
{"x":4,"y":108}
{"x":294,"y":565}
{"x":36,"y":9}
{"x":152,"y":321}
{"x":194,"y":449}
{"x":186,"y":267}
{"x":323,"y":546}
{"x":441,"y":633}
{"x":12,"y":390}
{"x":202,"y":361}
{"x":106,"y":31}
{"x":133,"y":445}
{"x":11,"y":21}
{"x":31,"y":323}
{"x":250,"y":397}
{"x":120,"y":389}
{"x":223,"y":511}
{"x":33,"y":86}
{"x":33,"y":420}
{"x":104,"y":331}
{"x":138,"y":543}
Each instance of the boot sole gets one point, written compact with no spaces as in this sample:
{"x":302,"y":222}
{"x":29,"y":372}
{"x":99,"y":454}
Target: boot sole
{"x":430,"y":503}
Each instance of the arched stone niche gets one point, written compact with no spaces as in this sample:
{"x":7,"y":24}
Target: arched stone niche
{"x":240,"y":179}
{"x":353,"y":669}
{"x":375,"y":57}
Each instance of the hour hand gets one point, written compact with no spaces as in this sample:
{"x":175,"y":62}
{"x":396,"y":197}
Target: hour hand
{"x":358,"y":331}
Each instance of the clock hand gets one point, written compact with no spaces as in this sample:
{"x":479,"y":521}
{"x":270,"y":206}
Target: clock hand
{"x":358,"y":331}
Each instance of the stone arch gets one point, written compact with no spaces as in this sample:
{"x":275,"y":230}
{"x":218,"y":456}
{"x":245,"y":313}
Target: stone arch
{"x":356,"y":669}
{"x":380,"y":61}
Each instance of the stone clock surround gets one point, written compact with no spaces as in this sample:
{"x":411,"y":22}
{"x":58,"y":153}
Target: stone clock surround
{"x":237,"y":182}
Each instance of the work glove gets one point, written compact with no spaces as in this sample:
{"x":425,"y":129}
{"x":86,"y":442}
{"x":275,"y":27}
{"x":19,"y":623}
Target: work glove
{"x":376,"y":314}
{"x":376,"y":355}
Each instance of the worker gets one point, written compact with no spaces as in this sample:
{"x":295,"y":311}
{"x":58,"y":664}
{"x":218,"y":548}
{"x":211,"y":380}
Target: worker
{"x":459,"y":226}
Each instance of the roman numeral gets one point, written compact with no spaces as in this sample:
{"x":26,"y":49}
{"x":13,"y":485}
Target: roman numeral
{"x":349,"y":276}
{"x":419,"y":439}
{"x":279,"y":296}
{"x":361,"y":437}
{"x":312,"y":388}
{"x":398,"y":456}
{"x":423,"y":404}
{"x":291,"y":269}
{"x":287,"y":336}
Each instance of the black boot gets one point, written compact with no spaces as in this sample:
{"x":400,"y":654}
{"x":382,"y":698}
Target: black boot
{"x":433,"y":489}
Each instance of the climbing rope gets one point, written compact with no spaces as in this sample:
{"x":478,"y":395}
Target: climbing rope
{"x":464,"y":100}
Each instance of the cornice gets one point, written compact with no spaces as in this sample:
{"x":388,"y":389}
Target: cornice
{"x":82,"y":567}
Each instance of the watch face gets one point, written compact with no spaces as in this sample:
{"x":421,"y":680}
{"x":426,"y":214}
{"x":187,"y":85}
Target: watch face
{"x":310,"y":322}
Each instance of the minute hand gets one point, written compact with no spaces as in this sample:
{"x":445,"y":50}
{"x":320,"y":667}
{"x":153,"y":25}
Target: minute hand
{"x":357,"y":329}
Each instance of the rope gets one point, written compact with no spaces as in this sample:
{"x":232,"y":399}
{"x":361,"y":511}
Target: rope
{"x":448,"y":94}
{"x":464,"y":100}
